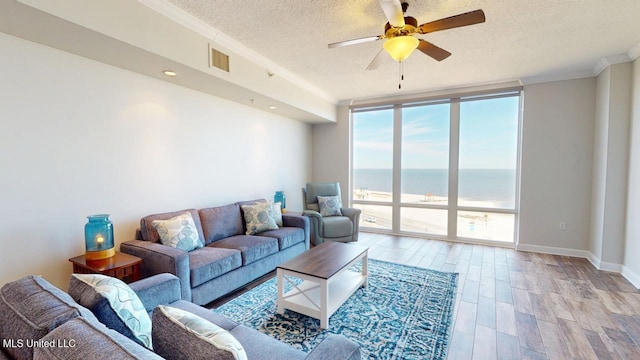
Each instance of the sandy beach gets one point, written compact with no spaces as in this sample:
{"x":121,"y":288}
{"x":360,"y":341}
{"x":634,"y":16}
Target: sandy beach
{"x":476,"y":225}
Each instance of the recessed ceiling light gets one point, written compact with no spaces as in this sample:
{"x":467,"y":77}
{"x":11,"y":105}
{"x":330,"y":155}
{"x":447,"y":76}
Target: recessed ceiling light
{"x":272,"y":107}
{"x":169,"y":73}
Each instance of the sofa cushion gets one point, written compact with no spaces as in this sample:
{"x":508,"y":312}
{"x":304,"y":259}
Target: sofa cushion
{"x":258,"y":217}
{"x":149,"y":233}
{"x":287,"y":236}
{"x":79,"y":339}
{"x":179,"y":232}
{"x":337,"y":226}
{"x":210,"y":262}
{"x":252,"y":247}
{"x":179,"y":334}
{"x":114,"y":303}
{"x":31,"y":308}
{"x":221,"y":222}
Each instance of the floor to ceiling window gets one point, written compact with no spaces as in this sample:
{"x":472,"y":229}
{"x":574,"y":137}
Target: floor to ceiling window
{"x":424,"y":173}
{"x":372,"y":167}
{"x":442,"y":168}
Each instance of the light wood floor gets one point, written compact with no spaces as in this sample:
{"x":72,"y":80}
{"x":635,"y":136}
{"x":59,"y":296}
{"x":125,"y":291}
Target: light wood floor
{"x":520,"y":305}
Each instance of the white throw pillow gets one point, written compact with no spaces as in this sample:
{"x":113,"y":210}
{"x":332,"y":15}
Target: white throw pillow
{"x":330,"y":205}
{"x":277,"y":212}
{"x":124,"y":302}
{"x":171,"y":323}
{"x":179,"y":232}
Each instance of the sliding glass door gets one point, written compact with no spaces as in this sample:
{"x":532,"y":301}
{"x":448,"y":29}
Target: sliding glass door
{"x":445,"y":168}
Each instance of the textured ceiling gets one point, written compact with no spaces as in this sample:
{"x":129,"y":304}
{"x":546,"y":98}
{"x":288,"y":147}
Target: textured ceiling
{"x":521,"y":39}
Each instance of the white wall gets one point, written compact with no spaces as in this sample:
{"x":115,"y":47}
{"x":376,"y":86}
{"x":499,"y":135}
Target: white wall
{"x":79,"y":137}
{"x":611,"y":148}
{"x":557,"y":149}
{"x":631,"y":265}
{"x":331,"y":152}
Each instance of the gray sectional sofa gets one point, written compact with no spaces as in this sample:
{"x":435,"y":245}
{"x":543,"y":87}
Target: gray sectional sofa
{"x":39,"y":321}
{"x":229,"y":259}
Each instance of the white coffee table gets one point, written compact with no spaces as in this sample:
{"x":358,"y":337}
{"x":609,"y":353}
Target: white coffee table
{"x":327,"y":282}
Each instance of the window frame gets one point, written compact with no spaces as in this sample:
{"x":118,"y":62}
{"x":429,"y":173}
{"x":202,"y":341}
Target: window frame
{"x":452,"y":206}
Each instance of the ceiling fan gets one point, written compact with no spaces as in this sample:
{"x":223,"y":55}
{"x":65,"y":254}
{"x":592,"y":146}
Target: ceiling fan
{"x":400,"y":31}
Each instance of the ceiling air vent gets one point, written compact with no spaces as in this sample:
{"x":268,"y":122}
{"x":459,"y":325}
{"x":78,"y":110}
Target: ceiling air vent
{"x":218,"y":59}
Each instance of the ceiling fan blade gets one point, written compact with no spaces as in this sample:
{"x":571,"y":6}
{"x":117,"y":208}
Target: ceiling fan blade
{"x":435,"y":52}
{"x":375,"y":63}
{"x":393,"y":11}
{"x":469,"y":18}
{"x":355,"y":41}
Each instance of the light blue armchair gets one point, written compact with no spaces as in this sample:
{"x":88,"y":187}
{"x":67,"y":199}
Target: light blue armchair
{"x":329,"y":228}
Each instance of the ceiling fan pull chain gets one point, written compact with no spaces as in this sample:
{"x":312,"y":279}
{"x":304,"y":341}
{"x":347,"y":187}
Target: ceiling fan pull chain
{"x":401,"y":75}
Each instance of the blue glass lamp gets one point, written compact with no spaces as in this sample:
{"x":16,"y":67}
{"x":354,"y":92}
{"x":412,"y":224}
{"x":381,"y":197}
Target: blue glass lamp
{"x":279,"y":197}
{"x":98,"y":237}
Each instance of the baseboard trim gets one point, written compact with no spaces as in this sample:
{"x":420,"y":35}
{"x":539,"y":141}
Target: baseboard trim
{"x":631,"y":276}
{"x":603,"y":265}
{"x":553,"y":250}
{"x":597,"y":263}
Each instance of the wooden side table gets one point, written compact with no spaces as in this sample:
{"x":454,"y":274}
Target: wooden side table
{"x":122,"y":266}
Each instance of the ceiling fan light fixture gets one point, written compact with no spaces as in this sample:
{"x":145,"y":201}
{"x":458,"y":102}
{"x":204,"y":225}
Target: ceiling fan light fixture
{"x":400,"y":47}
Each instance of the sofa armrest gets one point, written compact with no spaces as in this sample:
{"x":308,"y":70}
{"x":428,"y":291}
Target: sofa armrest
{"x":158,"y":259}
{"x":161,"y":289}
{"x":298,"y":221}
{"x":316,"y":226}
{"x":354,"y":215}
{"x":335,"y":347}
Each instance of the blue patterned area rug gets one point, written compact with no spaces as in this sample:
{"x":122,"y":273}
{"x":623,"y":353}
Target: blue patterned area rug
{"x":404,"y":313}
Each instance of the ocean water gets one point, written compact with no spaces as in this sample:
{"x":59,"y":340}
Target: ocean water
{"x":495,"y":185}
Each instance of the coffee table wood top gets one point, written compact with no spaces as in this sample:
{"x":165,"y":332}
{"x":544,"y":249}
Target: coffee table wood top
{"x":324,"y":260}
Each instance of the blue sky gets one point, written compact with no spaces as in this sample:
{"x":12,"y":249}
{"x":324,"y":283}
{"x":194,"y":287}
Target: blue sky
{"x":488,"y":136}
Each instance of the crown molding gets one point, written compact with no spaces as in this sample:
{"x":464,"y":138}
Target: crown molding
{"x":181,"y":17}
{"x":607,"y":61}
{"x":634,"y":52}
{"x":539,"y":79}
{"x":189,"y":21}
{"x":600,"y":66}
